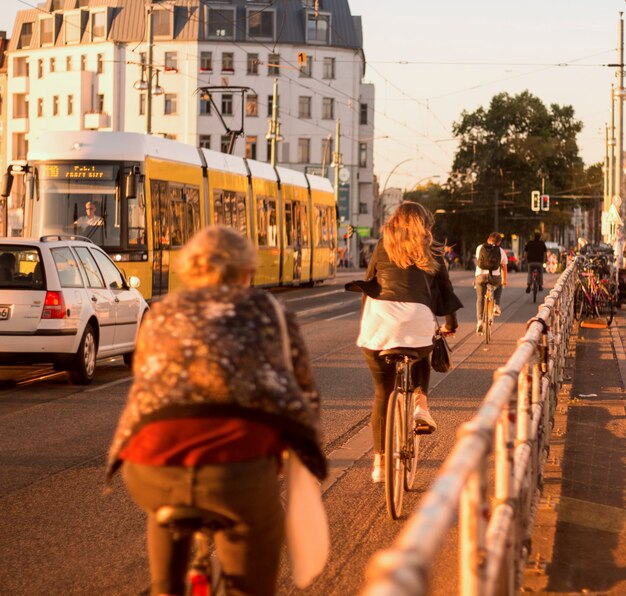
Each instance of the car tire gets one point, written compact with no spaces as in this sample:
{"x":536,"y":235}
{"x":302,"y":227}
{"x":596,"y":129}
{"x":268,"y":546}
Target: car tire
{"x":83,"y":366}
{"x":128,"y":359}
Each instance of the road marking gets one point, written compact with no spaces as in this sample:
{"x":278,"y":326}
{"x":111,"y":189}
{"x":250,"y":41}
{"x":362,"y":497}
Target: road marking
{"x":343,"y":458}
{"x":342,"y":291}
{"x":318,"y":309}
{"x":107,"y":385}
{"x":347,"y":314}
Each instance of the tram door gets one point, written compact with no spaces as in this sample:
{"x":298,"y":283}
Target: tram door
{"x":160,"y":238}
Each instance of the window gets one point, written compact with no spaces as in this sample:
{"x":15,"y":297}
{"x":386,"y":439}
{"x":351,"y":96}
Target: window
{"x":304,"y":106}
{"x":20,"y":105}
{"x":100,"y":63}
{"x":100,"y":104}
{"x":39,"y":107}
{"x":267,"y":229}
{"x":229,"y":209}
{"x":20,"y":67}
{"x":53,"y":64}
{"x":70,"y":105}
{"x":317,"y":28}
{"x":227,"y":104}
{"x":363,"y":113}
{"x":260,"y":24}
{"x":67,"y":267}
{"x":162,"y":22}
{"x":20,"y":145}
{"x":220,"y":22}
{"x":98,"y":26}
{"x":306,"y":70}
{"x":46,"y":31}
{"x":83,"y":62}
{"x":68,"y":63}
{"x":270,"y":104}
{"x":251,"y":147}
{"x":205,"y":141}
{"x":304,"y":150}
{"x":142,"y":104}
{"x":328,"y":108}
{"x":328,"y":68}
{"x":72,"y":28}
{"x":26,"y":35}
{"x":39,"y":68}
{"x":206,"y":61}
{"x":252,"y":105}
{"x":171,"y":61}
{"x":94,"y":277}
{"x":112,"y":277}
{"x":224,"y":143}
{"x":205,"y":107}
{"x":273,"y":65}
{"x":170,"y":104}
{"x":253,"y":64}
{"x":362,"y":155}
{"x":228,"y":62}
{"x":363,"y":208}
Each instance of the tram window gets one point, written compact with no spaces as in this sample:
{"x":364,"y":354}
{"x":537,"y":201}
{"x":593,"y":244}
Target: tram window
{"x":289,"y":222}
{"x":136,"y":222}
{"x":242,"y":219}
{"x":192,"y":209}
{"x":160,"y":224}
{"x":262,"y":220}
{"x":177,"y":216}
{"x":272,"y":228}
{"x":304,"y":218}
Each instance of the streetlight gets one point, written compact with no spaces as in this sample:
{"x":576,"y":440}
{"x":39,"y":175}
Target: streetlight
{"x":422,"y":180}
{"x":381,"y":217}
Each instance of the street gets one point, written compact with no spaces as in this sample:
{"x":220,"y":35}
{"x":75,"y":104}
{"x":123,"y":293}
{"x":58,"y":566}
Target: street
{"x":60,"y":533}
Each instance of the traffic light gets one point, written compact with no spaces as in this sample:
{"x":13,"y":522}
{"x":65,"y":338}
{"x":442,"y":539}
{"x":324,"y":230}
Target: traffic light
{"x":545,"y":202}
{"x":535,"y":202}
{"x":350,"y":231}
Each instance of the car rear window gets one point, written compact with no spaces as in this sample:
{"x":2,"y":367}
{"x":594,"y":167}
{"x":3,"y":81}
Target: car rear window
{"x":67,"y":267}
{"x":20,"y":267}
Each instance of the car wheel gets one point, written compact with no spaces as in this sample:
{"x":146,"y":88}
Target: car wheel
{"x":128,"y":359}
{"x":84,"y":362}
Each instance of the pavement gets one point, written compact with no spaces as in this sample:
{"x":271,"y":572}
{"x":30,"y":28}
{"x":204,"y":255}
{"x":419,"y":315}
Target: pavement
{"x":579,"y":538}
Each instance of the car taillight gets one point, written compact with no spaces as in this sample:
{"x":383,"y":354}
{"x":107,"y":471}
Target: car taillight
{"x":54,"y":306}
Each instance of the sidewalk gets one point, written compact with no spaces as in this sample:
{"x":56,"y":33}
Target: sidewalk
{"x":579,"y":540}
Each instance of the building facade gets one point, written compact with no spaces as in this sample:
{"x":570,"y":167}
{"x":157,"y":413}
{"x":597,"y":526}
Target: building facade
{"x":84,"y":64}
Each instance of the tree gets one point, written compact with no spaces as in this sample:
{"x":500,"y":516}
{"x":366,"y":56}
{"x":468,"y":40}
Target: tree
{"x":504,"y":152}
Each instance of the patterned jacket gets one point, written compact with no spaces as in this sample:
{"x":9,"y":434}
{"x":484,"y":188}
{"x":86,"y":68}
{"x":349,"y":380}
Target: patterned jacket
{"x":218,"y":351}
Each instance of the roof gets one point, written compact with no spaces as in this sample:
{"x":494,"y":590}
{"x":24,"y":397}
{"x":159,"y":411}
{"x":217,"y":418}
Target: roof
{"x":127,"y":23}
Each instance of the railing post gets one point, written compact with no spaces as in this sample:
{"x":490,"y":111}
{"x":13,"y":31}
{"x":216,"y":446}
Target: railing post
{"x":472,"y":528}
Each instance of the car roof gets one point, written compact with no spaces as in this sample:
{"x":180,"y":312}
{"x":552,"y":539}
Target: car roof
{"x":46,"y":241}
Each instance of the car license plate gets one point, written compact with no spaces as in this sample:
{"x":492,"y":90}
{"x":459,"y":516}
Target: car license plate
{"x":5,"y":312}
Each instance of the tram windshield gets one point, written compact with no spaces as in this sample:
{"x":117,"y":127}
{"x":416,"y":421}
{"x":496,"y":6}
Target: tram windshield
{"x":82,"y":200}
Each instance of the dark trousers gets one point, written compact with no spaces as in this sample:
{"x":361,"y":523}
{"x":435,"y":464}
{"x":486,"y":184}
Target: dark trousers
{"x":384,"y":376}
{"x":481,"y":290}
{"x":247,"y":493}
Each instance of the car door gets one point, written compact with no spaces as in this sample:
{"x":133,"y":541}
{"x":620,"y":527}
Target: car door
{"x":126,"y":301}
{"x":101,"y":299}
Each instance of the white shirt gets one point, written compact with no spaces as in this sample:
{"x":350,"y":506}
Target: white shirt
{"x":503,"y":262}
{"x":387,"y":324}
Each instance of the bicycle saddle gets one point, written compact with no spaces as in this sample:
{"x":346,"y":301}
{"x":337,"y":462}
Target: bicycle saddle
{"x":395,"y":354}
{"x":192,"y":518}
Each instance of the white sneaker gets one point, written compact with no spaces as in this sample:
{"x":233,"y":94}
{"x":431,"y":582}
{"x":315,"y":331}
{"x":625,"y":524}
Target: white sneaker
{"x":423,"y":418}
{"x":378,"y":471}
{"x":496,"y":310}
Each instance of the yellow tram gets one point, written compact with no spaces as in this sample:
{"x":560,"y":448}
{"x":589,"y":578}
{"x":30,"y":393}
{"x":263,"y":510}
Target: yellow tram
{"x":142,"y":197}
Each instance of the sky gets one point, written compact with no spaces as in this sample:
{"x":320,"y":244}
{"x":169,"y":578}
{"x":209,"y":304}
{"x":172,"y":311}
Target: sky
{"x":430,"y":61}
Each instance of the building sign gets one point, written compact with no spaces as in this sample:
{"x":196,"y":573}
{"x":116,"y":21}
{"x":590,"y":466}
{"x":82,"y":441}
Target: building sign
{"x":344,"y":202}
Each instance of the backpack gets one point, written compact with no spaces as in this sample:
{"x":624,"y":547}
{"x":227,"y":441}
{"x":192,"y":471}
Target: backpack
{"x":489,"y":257}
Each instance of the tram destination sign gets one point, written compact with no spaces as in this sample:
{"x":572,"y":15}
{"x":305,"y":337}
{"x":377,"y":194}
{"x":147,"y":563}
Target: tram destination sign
{"x":77,"y":171}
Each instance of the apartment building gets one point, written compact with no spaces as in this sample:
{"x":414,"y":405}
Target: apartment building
{"x":84,"y":64}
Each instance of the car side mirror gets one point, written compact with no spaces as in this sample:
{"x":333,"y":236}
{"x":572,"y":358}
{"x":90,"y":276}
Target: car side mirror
{"x":134,"y":281}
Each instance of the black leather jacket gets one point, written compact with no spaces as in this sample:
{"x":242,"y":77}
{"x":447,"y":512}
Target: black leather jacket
{"x":386,"y":281}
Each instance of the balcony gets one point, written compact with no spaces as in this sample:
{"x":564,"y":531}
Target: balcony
{"x":96,"y":121}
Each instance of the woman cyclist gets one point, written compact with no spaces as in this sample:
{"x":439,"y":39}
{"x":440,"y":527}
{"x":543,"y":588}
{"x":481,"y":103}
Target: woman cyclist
{"x":211,"y":408}
{"x":407,"y":283}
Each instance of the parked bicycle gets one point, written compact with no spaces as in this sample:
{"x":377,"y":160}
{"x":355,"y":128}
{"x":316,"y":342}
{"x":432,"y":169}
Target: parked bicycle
{"x":596,"y":294}
{"x":204,"y":575}
{"x":401,"y":445}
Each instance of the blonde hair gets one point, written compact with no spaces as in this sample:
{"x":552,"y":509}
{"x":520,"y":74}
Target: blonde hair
{"x":216,"y":255}
{"x":408,"y":240}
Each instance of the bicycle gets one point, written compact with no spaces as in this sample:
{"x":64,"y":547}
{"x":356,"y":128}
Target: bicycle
{"x":401,"y":445}
{"x":488,"y":308}
{"x":204,"y":575}
{"x":534,"y":284}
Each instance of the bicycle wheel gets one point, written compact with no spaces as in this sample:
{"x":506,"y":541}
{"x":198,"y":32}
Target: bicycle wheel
{"x":606,"y":308}
{"x":488,"y":318}
{"x":579,"y":304}
{"x":535,"y":290}
{"x":412,"y":444}
{"x":394,"y":466}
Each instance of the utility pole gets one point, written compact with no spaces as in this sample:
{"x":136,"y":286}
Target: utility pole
{"x":619,"y":165}
{"x":149,"y":70}
{"x":337,"y":159}
{"x":611,"y":148}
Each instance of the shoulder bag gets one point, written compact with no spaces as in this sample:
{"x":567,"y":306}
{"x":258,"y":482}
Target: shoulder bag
{"x":440,"y":359}
{"x":306,"y":524}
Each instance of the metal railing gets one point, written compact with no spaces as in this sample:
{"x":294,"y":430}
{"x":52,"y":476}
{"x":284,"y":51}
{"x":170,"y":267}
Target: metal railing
{"x":514,"y":420}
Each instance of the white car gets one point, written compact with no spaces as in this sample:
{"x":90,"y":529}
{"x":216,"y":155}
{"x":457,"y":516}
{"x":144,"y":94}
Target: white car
{"x":64,"y":301}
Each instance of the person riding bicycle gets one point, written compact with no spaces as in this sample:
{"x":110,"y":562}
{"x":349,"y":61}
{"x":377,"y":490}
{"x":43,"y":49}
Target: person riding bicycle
{"x":491,"y":267}
{"x":535,"y":255}
{"x":210,"y":410}
{"x":405,"y":286}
